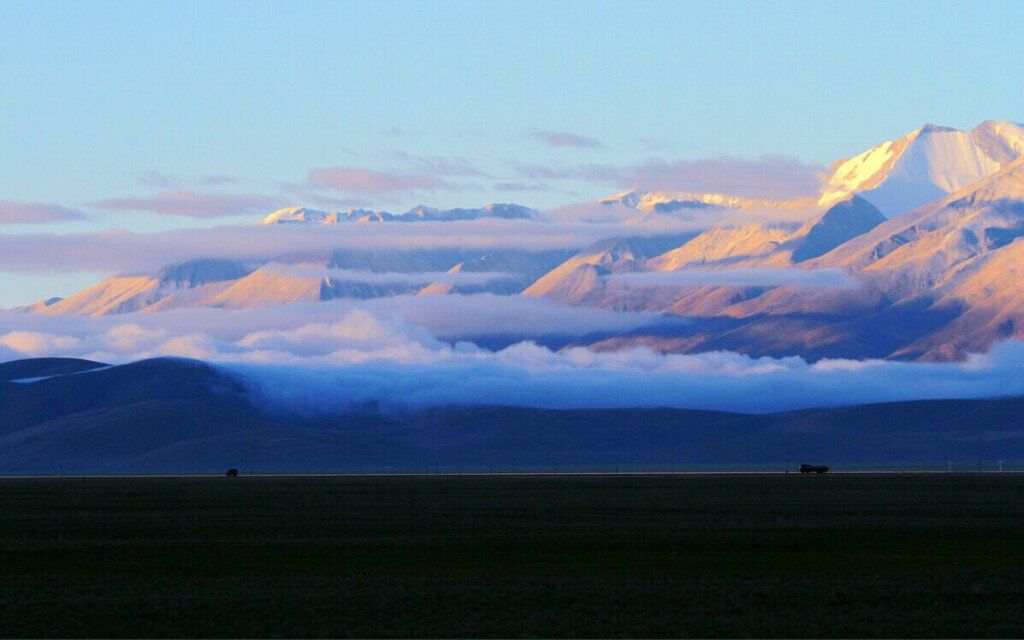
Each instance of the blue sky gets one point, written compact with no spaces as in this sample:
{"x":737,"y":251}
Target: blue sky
{"x":115,"y":103}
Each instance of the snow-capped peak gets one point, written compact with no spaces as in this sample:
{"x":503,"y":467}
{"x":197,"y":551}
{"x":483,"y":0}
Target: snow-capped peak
{"x":924,"y":165}
{"x":295,"y":214}
{"x":420,"y":213}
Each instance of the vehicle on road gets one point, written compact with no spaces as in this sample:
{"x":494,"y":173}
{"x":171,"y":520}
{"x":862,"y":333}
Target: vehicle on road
{"x":813,"y":468}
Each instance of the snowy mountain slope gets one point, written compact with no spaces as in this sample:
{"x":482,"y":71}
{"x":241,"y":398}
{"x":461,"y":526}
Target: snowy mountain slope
{"x":120,"y":294}
{"x":842,"y":222}
{"x":664,"y":202}
{"x":775,"y":244}
{"x":924,"y":248}
{"x":580,"y":278}
{"x":521,"y":269}
{"x":234,"y":285}
{"x":935,"y":283}
{"x":493,"y":210}
{"x":200,"y":272}
{"x":988,"y":295}
{"x":895,"y":176}
{"x":292,"y":215}
{"x":724,"y":245}
{"x":899,"y":175}
{"x":270,"y":286}
{"x":173,"y":286}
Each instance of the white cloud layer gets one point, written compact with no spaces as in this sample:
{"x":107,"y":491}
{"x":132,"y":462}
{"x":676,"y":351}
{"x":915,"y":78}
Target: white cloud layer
{"x":120,"y":251}
{"x":352,"y":353}
{"x":752,"y":277}
{"x":391,"y":277}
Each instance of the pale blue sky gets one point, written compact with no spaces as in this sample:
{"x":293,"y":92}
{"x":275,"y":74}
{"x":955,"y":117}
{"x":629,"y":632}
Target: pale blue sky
{"x":115,"y":100}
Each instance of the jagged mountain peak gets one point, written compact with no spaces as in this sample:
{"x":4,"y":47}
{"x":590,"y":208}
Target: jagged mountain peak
{"x":293,"y":215}
{"x":934,"y":128}
{"x":902,"y":174}
{"x":672,"y":201}
{"x":843,"y":221}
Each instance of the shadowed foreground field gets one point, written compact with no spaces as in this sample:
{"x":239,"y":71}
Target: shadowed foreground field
{"x":700,"y":555}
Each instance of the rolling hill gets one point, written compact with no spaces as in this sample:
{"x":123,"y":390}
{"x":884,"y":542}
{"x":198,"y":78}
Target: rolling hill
{"x":183,"y":416}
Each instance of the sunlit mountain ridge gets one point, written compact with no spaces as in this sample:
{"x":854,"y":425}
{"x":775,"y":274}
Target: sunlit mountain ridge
{"x":909,"y":251}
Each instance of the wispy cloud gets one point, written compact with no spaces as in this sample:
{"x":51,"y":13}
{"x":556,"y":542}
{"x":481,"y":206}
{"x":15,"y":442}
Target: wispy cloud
{"x":440,"y":165}
{"x":21,"y":212}
{"x":159,"y":180}
{"x":120,"y":250}
{"x":395,"y":132}
{"x":753,"y":277}
{"x":391,"y":277}
{"x":409,"y":174}
{"x":562,"y":139}
{"x":767,"y":177}
{"x":522,"y":186}
{"x":592,"y":172}
{"x":191,"y":204}
{"x":369,"y":181}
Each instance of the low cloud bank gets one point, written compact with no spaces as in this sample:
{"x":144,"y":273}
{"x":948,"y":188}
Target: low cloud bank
{"x":753,"y":277}
{"x":448,"y":317}
{"x":392,"y":277}
{"x":528,"y":375}
{"x":360,"y":353}
{"x":115,"y":251}
{"x":771,"y":177}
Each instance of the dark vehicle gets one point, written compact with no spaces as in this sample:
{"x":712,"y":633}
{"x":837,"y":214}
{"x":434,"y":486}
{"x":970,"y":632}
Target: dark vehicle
{"x":813,"y":468}
{"x":231,"y":473}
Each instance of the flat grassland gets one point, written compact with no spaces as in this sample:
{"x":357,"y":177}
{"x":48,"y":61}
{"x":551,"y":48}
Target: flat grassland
{"x":906,"y":555}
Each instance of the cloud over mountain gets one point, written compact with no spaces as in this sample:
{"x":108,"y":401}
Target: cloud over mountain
{"x":109,"y":250}
{"x":368,"y":355}
{"x":741,"y":277}
{"x":766,"y":177}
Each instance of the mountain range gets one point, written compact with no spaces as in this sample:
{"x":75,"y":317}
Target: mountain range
{"x":420,"y":213}
{"x":924,"y":229}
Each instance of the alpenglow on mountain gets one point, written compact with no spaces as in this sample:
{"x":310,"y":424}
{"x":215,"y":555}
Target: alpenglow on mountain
{"x":912,"y":250}
{"x":895,"y":176}
{"x":931,"y":162}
